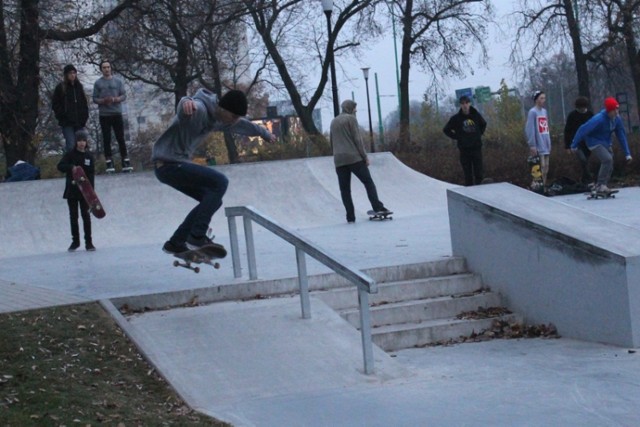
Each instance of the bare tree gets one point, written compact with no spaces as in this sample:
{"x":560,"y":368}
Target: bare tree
{"x":21,"y":38}
{"x":294,"y":36}
{"x":438,"y":36}
{"x":545,"y":27}
{"x":165,"y":50}
{"x":623,"y":17}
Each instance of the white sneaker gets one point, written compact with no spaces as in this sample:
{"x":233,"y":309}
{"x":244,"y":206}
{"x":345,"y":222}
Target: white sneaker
{"x":603,"y":189}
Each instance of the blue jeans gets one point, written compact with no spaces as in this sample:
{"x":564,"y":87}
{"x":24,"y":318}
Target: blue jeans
{"x":69,"y":134}
{"x":204,"y":184}
{"x":361,"y":171}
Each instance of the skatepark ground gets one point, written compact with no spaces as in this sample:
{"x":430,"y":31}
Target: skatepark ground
{"x":256,"y":362}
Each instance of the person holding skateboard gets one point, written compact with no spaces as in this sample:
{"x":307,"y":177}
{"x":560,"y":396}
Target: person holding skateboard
{"x":350,"y":157}
{"x":79,"y":156}
{"x":575,"y":119}
{"x":537,"y":133}
{"x":467,"y":127}
{"x":197,"y":117}
{"x":597,"y":135}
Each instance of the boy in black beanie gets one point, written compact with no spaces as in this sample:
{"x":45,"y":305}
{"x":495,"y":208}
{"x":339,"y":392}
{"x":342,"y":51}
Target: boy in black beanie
{"x":196,"y":118}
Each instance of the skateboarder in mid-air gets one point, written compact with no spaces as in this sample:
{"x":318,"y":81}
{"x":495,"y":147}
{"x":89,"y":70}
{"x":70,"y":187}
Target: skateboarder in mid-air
{"x":196,"y":118}
{"x":79,"y":156}
{"x":597,"y":134}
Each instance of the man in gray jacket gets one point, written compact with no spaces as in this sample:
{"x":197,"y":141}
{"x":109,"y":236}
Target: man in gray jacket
{"x":350,"y":158}
{"x":196,"y":118}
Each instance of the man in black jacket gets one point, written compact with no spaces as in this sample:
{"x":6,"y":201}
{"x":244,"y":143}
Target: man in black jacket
{"x":575,"y":119}
{"x":467,"y":127}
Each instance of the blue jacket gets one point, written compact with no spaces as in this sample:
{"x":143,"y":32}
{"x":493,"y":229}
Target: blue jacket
{"x":598,"y":130}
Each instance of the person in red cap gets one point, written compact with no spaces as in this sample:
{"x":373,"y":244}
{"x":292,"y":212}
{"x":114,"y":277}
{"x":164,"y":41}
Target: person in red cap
{"x":597,"y":134}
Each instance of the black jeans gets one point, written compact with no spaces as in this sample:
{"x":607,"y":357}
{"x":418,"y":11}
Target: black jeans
{"x":74,"y":204}
{"x":117,"y":124}
{"x":471,"y":161}
{"x":204,"y":184}
{"x":361,"y":171}
{"x":583,"y":156}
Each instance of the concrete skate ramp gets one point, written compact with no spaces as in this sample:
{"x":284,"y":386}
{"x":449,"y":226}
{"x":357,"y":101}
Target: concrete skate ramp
{"x":140,"y":210}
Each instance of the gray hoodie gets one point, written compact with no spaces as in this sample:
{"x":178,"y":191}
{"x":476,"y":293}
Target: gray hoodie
{"x":186,"y":132}
{"x":346,"y":139}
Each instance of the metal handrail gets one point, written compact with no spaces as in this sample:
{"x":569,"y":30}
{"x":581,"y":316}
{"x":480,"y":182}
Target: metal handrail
{"x":365,"y":284}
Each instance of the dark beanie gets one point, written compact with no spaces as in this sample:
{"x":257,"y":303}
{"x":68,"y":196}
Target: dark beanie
{"x":234,"y":101}
{"x":82,"y":135}
{"x":68,"y":68}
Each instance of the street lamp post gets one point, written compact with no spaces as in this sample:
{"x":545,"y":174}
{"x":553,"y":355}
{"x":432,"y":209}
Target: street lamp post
{"x":327,"y":6}
{"x":365,"y":71}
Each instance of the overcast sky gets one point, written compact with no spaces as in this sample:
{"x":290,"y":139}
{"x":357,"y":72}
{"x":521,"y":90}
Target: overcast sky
{"x":381,"y":60}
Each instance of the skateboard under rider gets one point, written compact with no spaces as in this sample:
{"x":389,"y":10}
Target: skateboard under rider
{"x":203,"y":255}
{"x":80,"y":179}
{"x":379,"y":216}
{"x":537,"y":184}
{"x":602,"y":194}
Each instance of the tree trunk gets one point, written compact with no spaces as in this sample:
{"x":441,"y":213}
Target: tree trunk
{"x":20,"y":108}
{"x":633,"y":53}
{"x":578,"y":53}
{"x":404,"y":138}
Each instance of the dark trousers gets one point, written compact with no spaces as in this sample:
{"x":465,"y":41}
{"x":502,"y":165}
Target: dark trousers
{"x":201,"y":183}
{"x":74,"y":204}
{"x":361,"y":171}
{"x":471,"y":161}
{"x":117,"y":124}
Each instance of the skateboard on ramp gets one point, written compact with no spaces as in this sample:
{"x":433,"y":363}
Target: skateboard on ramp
{"x":537,"y":185}
{"x":204,"y":255}
{"x":602,"y":195}
{"x":379,"y":216}
{"x":80,"y":179}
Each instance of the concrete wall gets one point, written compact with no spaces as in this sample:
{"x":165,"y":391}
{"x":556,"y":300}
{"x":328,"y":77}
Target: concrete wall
{"x":552,"y":262}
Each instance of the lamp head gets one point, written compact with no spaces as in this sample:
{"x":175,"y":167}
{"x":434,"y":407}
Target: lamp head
{"x":365,"y":71}
{"x":327,"y":6}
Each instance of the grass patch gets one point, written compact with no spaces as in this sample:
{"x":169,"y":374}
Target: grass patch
{"x":73,"y":365}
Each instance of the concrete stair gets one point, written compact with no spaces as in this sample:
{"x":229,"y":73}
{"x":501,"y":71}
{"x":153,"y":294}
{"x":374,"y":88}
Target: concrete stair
{"x":421,"y":309}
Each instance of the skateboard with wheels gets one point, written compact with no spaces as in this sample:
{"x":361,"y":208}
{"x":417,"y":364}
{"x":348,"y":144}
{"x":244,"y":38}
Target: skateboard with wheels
{"x":379,"y":216}
{"x":601,"y":195}
{"x":80,"y":179}
{"x":537,"y":184}
{"x":205,"y":255}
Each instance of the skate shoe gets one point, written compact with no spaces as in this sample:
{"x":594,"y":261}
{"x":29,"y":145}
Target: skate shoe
{"x":89,"y":247}
{"x":174,"y":248}
{"x":206,"y":245}
{"x":73,"y":247}
{"x":110,"y":168}
{"x":126,"y":166}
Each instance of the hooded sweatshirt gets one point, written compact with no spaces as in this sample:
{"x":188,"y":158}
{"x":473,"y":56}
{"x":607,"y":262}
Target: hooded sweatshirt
{"x":345,"y":136}
{"x":69,"y":104}
{"x":598,"y":130}
{"x":466,"y":129}
{"x":537,"y":130}
{"x":186,"y":132}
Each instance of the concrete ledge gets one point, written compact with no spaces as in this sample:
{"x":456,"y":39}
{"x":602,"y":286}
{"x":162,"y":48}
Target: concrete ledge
{"x":551,"y":262}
